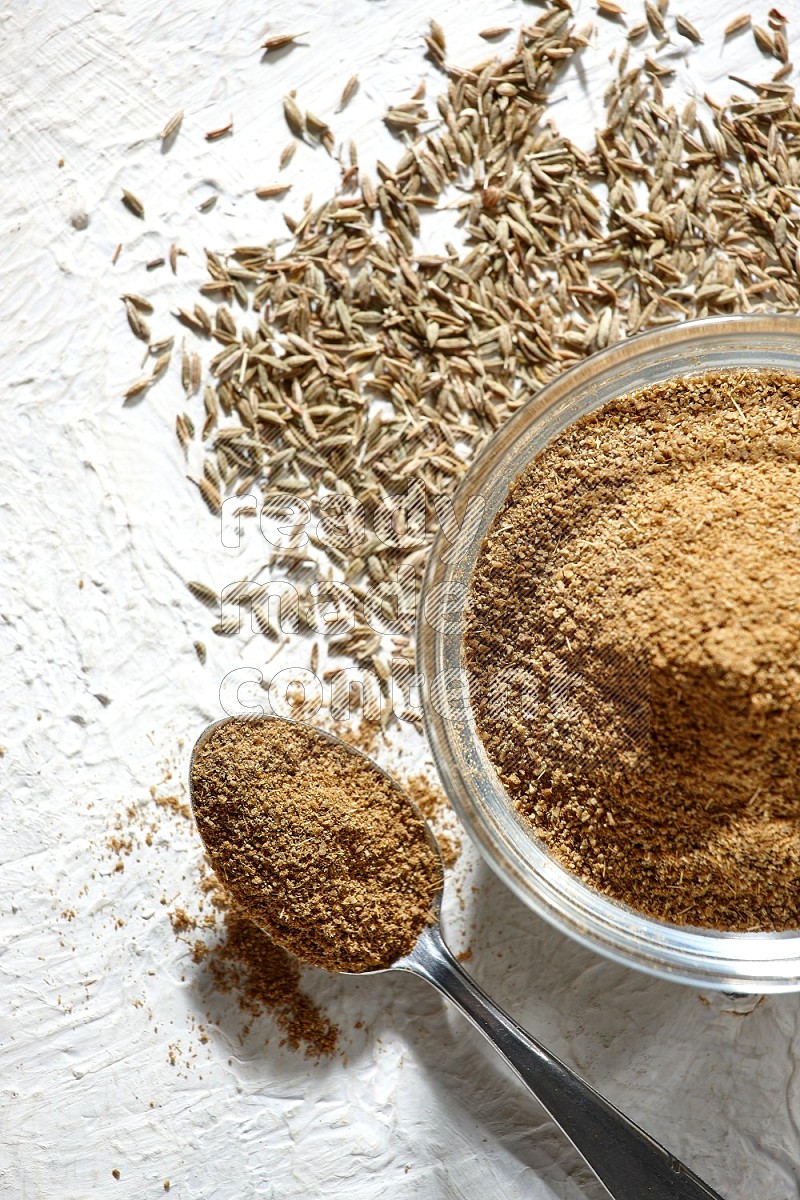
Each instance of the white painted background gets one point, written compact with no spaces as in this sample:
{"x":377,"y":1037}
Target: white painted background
{"x":417,"y":1107}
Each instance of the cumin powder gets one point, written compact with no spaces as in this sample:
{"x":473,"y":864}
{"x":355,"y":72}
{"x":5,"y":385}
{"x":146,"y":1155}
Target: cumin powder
{"x":317,"y":846}
{"x":266,"y":978}
{"x":633,"y":649}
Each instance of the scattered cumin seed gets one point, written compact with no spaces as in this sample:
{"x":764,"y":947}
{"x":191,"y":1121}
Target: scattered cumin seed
{"x":404,"y":116}
{"x":280,"y":40}
{"x":182,"y":431}
{"x":214,"y":135}
{"x":190,"y":320}
{"x":269,"y":630}
{"x":437,"y":34}
{"x":138,"y":388}
{"x":139,"y":302}
{"x":655,"y":19}
{"x":763,"y":39}
{"x":315,"y":125}
{"x":160,"y":365}
{"x":669,"y":216}
{"x":687,"y":29}
{"x":133,"y":203}
{"x":435,"y":44}
{"x":737,"y":24}
{"x":170,"y":130}
{"x":287,"y":154}
{"x":293,"y":115}
{"x":211,"y":495}
{"x":496,"y":31}
{"x":202,"y":317}
{"x":227,"y":628}
{"x":781,"y":44}
{"x":272,"y":190}
{"x":138,"y":325}
{"x":348,"y":91}
{"x":204,"y":593}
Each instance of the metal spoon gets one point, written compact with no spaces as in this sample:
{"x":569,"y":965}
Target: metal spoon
{"x":628,"y":1162}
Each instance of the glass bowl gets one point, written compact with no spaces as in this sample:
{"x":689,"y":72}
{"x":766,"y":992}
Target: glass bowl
{"x":736,"y":962}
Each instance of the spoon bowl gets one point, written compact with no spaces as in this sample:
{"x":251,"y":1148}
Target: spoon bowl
{"x":628,"y":1162}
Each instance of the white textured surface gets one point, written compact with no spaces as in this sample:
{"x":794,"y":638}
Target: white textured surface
{"x":91,"y":491}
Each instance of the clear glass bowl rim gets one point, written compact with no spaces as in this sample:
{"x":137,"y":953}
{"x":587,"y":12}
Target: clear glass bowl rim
{"x":735,"y":962}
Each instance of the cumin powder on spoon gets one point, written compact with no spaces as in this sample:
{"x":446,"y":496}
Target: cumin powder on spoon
{"x":633,"y":649}
{"x":316,"y":844}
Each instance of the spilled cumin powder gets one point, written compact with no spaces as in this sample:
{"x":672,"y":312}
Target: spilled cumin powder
{"x":633,"y":649}
{"x":315,"y":844}
{"x":266,"y":978}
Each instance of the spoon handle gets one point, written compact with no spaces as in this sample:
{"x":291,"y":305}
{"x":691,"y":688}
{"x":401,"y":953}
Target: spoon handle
{"x":630,"y":1164}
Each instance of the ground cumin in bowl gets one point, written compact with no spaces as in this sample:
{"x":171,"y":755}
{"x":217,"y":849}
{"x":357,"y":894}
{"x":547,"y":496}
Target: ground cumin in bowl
{"x":613,"y":667}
